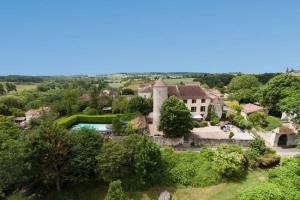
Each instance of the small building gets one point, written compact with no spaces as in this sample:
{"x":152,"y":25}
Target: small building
{"x":33,"y":113}
{"x":140,"y":124}
{"x":249,"y":108}
{"x":145,"y":91}
{"x":21,"y":121}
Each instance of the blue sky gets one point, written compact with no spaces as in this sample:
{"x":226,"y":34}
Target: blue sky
{"x":54,"y":37}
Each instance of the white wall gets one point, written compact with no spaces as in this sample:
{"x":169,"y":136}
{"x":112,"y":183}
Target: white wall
{"x":198,"y":105}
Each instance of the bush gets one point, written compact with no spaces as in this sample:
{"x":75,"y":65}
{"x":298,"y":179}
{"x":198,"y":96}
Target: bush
{"x":268,"y":160}
{"x":200,"y":124}
{"x":90,"y":111}
{"x":265,"y":191}
{"x":115,"y":191}
{"x":100,"y":119}
{"x":258,"y":119}
{"x":229,"y":161}
{"x":241,"y":122}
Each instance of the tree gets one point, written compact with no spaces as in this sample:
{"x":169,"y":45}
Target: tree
{"x":2,"y":90}
{"x":71,"y":100}
{"x":229,"y":161}
{"x":111,"y":161}
{"x":291,"y":103}
{"x":175,"y":118}
{"x":140,"y":104}
{"x":94,"y":100}
{"x":135,"y":160}
{"x":10,"y":87}
{"x":275,"y":91}
{"x":48,"y":152}
{"x":258,"y":119}
{"x":244,"y":87}
{"x":127,"y":91}
{"x":12,"y":157}
{"x":119,"y":105}
{"x":115,"y":191}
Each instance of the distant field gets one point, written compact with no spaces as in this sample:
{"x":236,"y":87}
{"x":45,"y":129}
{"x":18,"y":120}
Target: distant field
{"x":24,"y":86}
{"x":223,"y":191}
{"x":116,"y":85}
{"x":178,"y":80}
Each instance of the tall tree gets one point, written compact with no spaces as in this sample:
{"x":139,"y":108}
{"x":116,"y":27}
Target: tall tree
{"x":140,"y":104}
{"x":175,"y":118}
{"x":244,"y":87}
{"x":94,"y":100}
{"x":275,"y":91}
{"x":2,"y":89}
{"x":71,"y":100}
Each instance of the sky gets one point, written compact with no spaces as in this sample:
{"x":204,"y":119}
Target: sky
{"x":70,"y":37}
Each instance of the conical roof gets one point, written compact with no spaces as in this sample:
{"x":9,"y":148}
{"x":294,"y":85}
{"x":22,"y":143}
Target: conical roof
{"x":159,"y":83}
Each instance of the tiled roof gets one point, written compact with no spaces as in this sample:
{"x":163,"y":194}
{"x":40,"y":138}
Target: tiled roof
{"x":192,"y":92}
{"x":145,"y":89}
{"x":250,"y":108}
{"x":173,"y":91}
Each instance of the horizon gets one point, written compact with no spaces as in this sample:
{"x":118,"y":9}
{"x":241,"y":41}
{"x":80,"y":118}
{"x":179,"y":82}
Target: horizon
{"x":91,"y":37}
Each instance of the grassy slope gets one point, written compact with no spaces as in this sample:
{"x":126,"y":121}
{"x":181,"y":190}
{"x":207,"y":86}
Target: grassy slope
{"x":224,"y":191}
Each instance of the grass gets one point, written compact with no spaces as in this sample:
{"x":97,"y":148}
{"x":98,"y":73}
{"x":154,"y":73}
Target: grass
{"x":273,"y":122}
{"x":223,"y":191}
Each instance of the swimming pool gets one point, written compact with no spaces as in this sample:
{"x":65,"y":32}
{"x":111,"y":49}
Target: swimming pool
{"x":98,"y":127}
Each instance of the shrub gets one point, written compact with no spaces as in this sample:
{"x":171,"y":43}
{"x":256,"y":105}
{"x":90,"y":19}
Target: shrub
{"x":90,"y":111}
{"x":265,"y":191}
{"x":200,"y":124}
{"x":231,"y":134}
{"x":268,"y":160}
{"x":258,"y":119}
{"x":100,"y":119}
{"x":115,"y":191}
{"x":229,"y":161}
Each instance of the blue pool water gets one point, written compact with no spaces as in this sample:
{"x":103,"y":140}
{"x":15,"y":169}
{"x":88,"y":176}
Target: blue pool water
{"x":98,"y":127}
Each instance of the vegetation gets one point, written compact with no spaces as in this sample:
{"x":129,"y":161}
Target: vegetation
{"x":283,"y":183}
{"x":141,"y":105}
{"x":115,"y":191}
{"x":175,"y":118}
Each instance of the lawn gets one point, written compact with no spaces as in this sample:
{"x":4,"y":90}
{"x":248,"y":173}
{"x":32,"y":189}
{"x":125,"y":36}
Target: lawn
{"x":223,"y":191}
{"x":178,"y":81}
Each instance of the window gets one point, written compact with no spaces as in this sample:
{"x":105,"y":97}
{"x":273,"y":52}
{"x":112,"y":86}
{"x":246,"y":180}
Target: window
{"x":202,"y":108}
{"x":202,"y":100}
{"x":193,"y":109}
{"x":184,"y":101}
{"x":193,"y":100}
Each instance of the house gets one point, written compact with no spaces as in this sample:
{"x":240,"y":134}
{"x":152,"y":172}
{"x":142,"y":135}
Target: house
{"x":249,"y":108}
{"x":145,"y":91}
{"x":196,"y":98}
{"x":33,"y":113}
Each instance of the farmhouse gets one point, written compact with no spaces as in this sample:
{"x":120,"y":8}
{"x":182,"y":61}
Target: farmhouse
{"x":249,"y":108}
{"x":196,"y":98}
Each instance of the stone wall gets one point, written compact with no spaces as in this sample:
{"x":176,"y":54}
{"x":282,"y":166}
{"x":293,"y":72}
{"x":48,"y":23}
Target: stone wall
{"x":215,"y":142}
{"x":162,"y":141}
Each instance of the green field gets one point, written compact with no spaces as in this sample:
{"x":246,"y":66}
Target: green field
{"x":178,"y":81}
{"x":24,"y":86}
{"x":223,"y":191}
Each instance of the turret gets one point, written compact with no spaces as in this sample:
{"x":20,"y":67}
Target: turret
{"x":160,"y":93}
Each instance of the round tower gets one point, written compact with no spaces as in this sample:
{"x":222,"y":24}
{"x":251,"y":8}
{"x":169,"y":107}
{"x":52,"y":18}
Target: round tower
{"x":160,"y":93}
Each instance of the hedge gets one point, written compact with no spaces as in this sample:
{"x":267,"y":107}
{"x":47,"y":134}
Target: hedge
{"x":99,"y":119}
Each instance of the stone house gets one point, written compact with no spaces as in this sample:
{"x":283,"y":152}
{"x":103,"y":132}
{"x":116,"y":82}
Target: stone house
{"x":249,"y":108}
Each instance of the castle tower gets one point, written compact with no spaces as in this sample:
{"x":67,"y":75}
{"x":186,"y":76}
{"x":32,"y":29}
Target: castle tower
{"x":160,"y":93}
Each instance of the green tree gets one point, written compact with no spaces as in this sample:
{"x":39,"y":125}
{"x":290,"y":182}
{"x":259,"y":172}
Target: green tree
{"x":291,"y":103}
{"x":275,"y":91}
{"x":115,"y":191}
{"x":175,"y":118}
{"x":2,"y":90}
{"x":229,"y":161}
{"x":71,"y":100}
{"x":119,"y":105}
{"x":244,"y":87}
{"x":12,"y":156}
{"x":127,"y":91}
{"x":10,"y":87}
{"x":140,"y":104}
{"x":258,"y":119}
{"x":94,"y":100}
